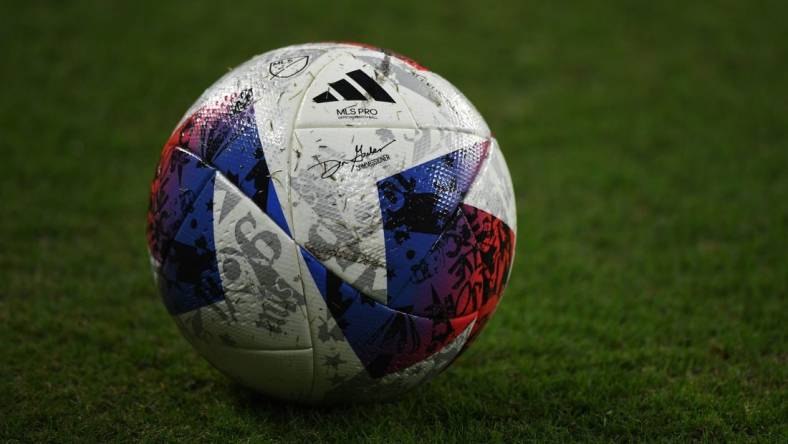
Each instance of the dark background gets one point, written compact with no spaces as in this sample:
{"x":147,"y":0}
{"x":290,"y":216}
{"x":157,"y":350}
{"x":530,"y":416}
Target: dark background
{"x":647,"y":144}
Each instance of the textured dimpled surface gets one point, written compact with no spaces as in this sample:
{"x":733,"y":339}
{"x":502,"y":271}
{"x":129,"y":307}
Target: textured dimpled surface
{"x":331,"y":223}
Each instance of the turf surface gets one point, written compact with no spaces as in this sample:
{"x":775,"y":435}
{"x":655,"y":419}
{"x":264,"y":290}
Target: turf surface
{"x":648,"y":145}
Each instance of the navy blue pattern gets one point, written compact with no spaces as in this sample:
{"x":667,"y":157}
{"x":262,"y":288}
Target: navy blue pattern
{"x":417,"y":204}
{"x":189,"y":276}
{"x":175,"y":188}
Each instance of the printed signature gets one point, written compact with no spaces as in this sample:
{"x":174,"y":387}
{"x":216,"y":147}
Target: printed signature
{"x":330,"y":167}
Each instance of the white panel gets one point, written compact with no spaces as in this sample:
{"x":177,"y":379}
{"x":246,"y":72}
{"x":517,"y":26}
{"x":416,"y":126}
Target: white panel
{"x":350,"y":92}
{"x":280,"y":81}
{"x":264,"y":307}
{"x":431,"y":99}
{"x":285,"y":374}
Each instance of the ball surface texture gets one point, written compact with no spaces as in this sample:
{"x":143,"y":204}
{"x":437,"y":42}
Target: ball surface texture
{"x":331,"y":222}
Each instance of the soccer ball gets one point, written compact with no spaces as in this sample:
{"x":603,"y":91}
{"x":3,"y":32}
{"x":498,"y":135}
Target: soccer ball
{"x":331,"y":222}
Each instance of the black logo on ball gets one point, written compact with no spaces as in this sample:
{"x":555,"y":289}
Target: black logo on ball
{"x":288,"y":67}
{"x":347,"y":91}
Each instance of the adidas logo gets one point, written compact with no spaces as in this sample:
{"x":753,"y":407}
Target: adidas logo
{"x":350,"y":92}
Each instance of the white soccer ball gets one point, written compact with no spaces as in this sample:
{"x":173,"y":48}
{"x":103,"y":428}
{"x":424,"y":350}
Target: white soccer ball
{"x":331,"y":223}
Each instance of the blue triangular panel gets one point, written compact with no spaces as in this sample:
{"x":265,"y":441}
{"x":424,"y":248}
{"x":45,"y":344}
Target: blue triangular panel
{"x":226,"y":137}
{"x":189,"y":277}
{"x":416,"y":205}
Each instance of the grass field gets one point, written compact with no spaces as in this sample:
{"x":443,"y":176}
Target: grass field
{"x":648,"y":145}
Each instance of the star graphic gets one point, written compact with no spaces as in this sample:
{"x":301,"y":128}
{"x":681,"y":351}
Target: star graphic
{"x":325,"y":335}
{"x":333,"y":361}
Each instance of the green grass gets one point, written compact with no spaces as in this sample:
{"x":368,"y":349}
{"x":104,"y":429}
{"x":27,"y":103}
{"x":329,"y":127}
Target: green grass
{"x":648,"y":145}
